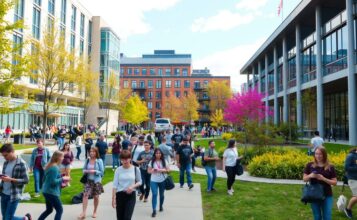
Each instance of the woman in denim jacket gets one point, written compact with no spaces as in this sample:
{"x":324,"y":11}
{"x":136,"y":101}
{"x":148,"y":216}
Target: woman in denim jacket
{"x":94,"y":168}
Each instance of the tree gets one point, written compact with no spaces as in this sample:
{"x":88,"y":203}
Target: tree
{"x":55,"y":70}
{"x":123,"y":97}
{"x":109,"y":92}
{"x":217,"y":118}
{"x":12,"y":62}
{"x":172,"y":109}
{"x":190,"y":106}
{"x":219,"y":92}
{"x":135,"y":111}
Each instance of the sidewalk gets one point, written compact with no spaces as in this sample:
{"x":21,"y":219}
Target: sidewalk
{"x":176,"y":203}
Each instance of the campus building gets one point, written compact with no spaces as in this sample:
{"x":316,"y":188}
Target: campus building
{"x":85,"y":34}
{"x":307,"y":69}
{"x":162,"y":74}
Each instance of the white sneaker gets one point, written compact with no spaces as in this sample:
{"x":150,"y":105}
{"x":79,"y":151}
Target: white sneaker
{"x":37,"y":195}
{"x":230,"y":192}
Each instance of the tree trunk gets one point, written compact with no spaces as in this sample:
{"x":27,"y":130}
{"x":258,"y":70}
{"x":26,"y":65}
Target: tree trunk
{"x":44,"y":122}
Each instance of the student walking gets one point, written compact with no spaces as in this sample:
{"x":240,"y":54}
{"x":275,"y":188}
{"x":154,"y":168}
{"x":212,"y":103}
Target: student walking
{"x":52,"y":187}
{"x":87,"y":144}
{"x":166,"y":150}
{"x":102,"y":147}
{"x":143,"y":160}
{"x":351,"y":171}
{"x":320,"y":171}
{"x":67,"y":159}
{"x":116,"y":147}
{"x":79,"y":145}
{"x":316,"y":142}
{"x":94,"y":169}
{"x":183,"y":160}
{"x":39,"y":158}
{"x":230,"y":157}
{"x":209,"y":162}
{"x":12,"y":183}
{"x":8,"y":132}
{"x":137,"y":149}
{"x":157,"y":168}
{"x":126,"y":179}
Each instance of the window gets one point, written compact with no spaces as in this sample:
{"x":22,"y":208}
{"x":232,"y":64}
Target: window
{"x":184,"y":72}
{"x":158,"y":95}
{"x":136,"y":71}
{"x":51,"y":7}
{"x":168,"y":84}
{"x":158,"y":105}
{"x":19,"y":11}
{"x":133,"y":84}
{"x":73,"y":18}
{"x":158,"y":84}
{"x":150,"y":95}
{"x":82,"y":25}
{"x":197,"y":84}
{"x":63,"y":32}
{"x":168,"y":72}
{"x":121,"y":71}
{"x":177,"y":72}
{"x":149,"y":105}
{"x":50,"y":23}
{"x":185,"y":93}
{"x":152,"y":71}
{"x":63,"y":11}
{"x":89,"y":38}
{"x":150,"y":84}
{"x":177,"y":83}
{"x":126,"y":84}
{"x":81,"y":47}
{"x":143,"y":72}
{"x":36,"y":23}
{"x":142,"y":84}
{"x":159,"y":72}
{"x":37,"y":2}
{"x":187,"y":84}
{"x":167,"y":93}
{"x":177,"y":94}
{"x":17,"y":44}
{"x":73,"y":42}
{"x":130,"y":71}
{"x":205,"y":84}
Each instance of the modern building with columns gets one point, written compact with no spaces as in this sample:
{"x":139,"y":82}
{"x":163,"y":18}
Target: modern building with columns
{"x":307,"y":69}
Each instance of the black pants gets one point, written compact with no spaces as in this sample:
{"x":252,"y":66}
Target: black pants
{"x":231,"y":176}
{"x":125,"y":205}
{"x":87,"y":149}
{"x":145,"y":186}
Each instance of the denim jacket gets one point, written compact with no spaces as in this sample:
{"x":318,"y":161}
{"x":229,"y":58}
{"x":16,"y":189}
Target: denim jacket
{"x":45,"y":158}
{"x":99,"y":170}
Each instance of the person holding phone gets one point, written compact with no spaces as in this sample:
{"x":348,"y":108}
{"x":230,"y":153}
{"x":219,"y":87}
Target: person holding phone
{"x":14,"y":177}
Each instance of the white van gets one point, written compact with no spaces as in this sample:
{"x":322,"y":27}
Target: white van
{"x":162,"y":124}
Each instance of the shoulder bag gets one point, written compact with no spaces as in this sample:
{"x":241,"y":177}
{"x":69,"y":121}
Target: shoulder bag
{"x":312,"y":193}
{"x":84,"y":178}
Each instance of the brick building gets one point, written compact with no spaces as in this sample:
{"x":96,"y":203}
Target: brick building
{"x":156,"y":76}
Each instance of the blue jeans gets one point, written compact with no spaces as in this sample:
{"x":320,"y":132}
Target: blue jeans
{"x":52,"y":201}
{"x":103,"y":159}
{"x":145,"y":182}
{"x":115,"y":160}
{"x":60,"y":142}
{"x":211,"y":175}
{"x":323,"y":210}
{"x":154,"y":188}
{"x":8,"y":208}
{"x":187,"y":168}
{"x":38,"y":176}
{"x":79,"y":151}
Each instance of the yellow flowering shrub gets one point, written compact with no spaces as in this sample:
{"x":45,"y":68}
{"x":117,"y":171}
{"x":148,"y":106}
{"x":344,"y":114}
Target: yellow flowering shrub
{"x":290,"y":164}
{"x":227,"y":136}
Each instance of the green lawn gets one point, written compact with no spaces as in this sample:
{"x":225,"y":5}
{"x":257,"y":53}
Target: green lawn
{"x":68,"y":192}
{"x":24,"y":146}
{"x":257,"y":201}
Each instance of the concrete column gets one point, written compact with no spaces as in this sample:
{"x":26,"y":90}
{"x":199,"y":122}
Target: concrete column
{"x":253,"y":85}
{"x":319,"y":75}
{"x":247,"y":81}
{"x":298,"y":77}
{"x":266,"y":89}
{"x":352,"y":109}
{"x":259,"y":77}
{"x":276,"y":106}
{"x":285,"y":82}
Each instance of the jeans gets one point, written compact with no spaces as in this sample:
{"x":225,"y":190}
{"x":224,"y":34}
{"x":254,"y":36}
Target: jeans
{"x":323,"y":210}
{"x":125,"y":205}
{"x":231,"y":176}
{"x":60,"y":142}
{"x":52,"y":202}
{"x":211,"y":175}
{"x":79,"y":151}
{"x":38,"y":176}
{"x":145,"y":186}
{"x":102,"y":156}
{"x":187,"y":168}
{"x":154,"y":188}
{"x":115,"y":160}
{"x":8,"y":208}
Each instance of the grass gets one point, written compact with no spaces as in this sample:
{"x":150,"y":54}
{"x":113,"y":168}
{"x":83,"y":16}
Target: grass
{"x":68,"y":192}
{"x":24,"y":146}
{"x":257,"y":201}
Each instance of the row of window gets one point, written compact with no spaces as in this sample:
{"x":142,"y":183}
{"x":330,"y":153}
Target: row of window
{"x":154,"y":71}
{"x":168,"y":84}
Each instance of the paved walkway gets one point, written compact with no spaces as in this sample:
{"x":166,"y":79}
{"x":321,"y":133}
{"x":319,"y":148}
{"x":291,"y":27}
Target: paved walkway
{"x":177,"y":201}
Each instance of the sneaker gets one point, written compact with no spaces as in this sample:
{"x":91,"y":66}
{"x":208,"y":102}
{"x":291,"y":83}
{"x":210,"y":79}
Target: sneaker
{"x":141,"y":196}
{"x":230,"y":192}
{"x":213,"y":190}
{"x":232,"y":189}
{"x":145,"y":200}
{"x":348,"y":213}
{"x":161,"y":209}
{"x":190,"y":186}
{"x":153,"y":214}
{"x":36,"y":195}
{"x":194,"y":170}
{"x":28,"y":216}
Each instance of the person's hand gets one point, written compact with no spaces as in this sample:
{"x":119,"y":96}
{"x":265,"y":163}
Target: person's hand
{"x":216,"y":158}
{"x":66,"y":178}
{"x":30,"y":170}
{"x":313,"y":175}
{"x":130,"y":190}
{"x":319,"y":177}
{"x":114,"y":203}
{"x":6,"y":179}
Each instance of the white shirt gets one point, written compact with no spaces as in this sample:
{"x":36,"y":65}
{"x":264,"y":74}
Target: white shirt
{"x":138,"y":150}
{"x":79,"y":140}
{"x":231,"y":156}
{"x":316,"y":142}
{"x":158,"y":177}
{"x":124,"y":178}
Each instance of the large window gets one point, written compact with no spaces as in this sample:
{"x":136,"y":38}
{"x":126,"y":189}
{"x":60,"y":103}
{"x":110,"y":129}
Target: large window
{"x":150,"y":84}
{"x":159,"y":72}
{"x":130,"y":71}
{"x":36,"y":23}
{"x":51,"y":7}
{"x":133,"y":84}
{"x":292,"y":72}
{"x":149,"y":105}
{"x":177,"y":83}
{"x":18,"y":47}
{"x":158,"y":84}
{"x":309,"y":64}
{"x":177,"y":94}
{"x":187,"y":84}
{"x":177,"y":71}
{"x":37,"y":2}
{"x":152,"y":71}
{"x":142,"y":84}
{"x":136,"y":71}
{"x":143,"y":71}
{"x":89,"y":38}
{"x":73,"y":18}
{"x":81,"y":47}
{"x":168,"y":84}
{"x":82,"y":25}
{"x":167,"y":72}
{"x":73,"y":42}
{"x":184,"y":72}
{"x":158,"y":95}
{"x":19,"y":10}
{"x":63,"y":11}
{"x":126,"y":84}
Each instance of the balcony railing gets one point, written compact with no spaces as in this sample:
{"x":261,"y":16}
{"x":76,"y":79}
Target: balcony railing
{"x":271,"y":91}
{"x":335,"y":66}
{"x":307,"y":77}
{"x":292,"y":83}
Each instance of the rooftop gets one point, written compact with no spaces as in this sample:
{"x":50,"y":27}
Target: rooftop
{"x":165,"y":57}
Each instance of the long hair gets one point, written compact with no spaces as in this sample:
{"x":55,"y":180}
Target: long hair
{"x":162,"y":158}
{"x":325,"y":160}
{"x":96,"y":152}
{"x":66,"y":144}
{"x":231,"y":143}
{"x":55,"y":159}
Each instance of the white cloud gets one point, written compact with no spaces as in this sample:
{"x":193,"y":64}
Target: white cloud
{"x":251,"y":4}
{"x":229,"y":62}
{"x":224,"y":20}
{"x":127,"y":17}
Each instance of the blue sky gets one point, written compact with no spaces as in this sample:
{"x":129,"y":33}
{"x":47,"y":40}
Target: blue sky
{"x":220,"y":34}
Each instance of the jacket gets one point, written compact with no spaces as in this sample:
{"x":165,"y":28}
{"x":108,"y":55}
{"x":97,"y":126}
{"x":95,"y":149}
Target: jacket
{"x":45,"y":158}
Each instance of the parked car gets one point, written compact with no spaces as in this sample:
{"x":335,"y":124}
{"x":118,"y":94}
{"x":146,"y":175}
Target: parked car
{"x":162,"y":124}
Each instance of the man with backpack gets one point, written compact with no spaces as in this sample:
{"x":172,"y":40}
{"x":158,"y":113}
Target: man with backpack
{"x":209,"y":163}
{"x":183,"y":161}
{"x":137,"y":149}
{"x":176,"y":140}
